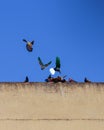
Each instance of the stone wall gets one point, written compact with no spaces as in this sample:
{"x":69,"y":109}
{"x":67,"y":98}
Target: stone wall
{"x":51,"y":106}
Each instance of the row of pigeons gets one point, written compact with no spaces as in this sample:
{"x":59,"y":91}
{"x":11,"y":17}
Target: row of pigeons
{"x":29,"y":47}
{"x":62,"y":79}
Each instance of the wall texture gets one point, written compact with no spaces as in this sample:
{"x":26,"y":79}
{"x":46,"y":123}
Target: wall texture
{"x":51,"y":106}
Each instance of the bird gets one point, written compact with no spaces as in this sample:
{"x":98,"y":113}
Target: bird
{"x":58,"y":65}
{"x":49,"y":79}
{"x":86,"y":80}
{"x":72,"y":80}
{"x":43,"y":66}
{"x":29,"y":45}
{"x":26,"y":79}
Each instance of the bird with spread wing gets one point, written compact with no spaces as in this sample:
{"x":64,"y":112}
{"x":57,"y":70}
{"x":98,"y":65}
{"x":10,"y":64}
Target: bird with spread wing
{"x":29,"y":45}
{"x":43,"y":66}
{"x":57,"y":67}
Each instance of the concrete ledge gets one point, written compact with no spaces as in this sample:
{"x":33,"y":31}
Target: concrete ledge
{"x":47,"y":103}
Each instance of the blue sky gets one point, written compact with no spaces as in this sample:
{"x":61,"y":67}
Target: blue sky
{"x":70,"y":29}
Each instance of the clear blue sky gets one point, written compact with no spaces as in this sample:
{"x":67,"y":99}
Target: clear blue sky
{"x":70,"y":29}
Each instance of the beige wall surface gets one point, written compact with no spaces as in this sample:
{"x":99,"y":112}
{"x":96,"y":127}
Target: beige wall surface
{"x":51,"y":106}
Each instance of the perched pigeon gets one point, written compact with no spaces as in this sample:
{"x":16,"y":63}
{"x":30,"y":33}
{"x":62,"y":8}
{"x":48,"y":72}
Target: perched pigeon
{"x":49,"y":79}
{"x":43,"y":66}
{"x":55,"y":80}
{"x":72,"y":81}
{"x":29,"y":45}
{"x":26,"y":79}
{"x":86,"y":80}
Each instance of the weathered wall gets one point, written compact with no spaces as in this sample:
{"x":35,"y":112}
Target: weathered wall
{"x":49,"y":106}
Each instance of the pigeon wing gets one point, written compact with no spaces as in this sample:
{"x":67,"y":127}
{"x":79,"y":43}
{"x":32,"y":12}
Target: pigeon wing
{"x":40,"y":61}
{"x":48,"y":64}
{"x":64,"y":76}
{"x":58,"y":62}
{"x":25,"y":40}
{"x":32,"y":42}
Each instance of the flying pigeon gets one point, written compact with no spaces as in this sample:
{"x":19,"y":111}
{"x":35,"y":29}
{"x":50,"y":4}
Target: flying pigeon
{"x":26,"y":79}
{"x":43,"y":66}
{"x":29,"y":45}
{"x":57,"y":67}
{"x":86,"y":80}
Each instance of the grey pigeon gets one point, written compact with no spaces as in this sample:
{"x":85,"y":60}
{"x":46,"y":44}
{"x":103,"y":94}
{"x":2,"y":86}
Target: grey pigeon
{"x":43,"y":66}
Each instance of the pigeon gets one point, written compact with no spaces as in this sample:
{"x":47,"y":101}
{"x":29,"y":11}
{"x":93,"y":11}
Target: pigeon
{"x":49,"y":79}
{"x":57,"y":67}
{"x":58,"y":79}
{"x":61,"y":79}
{"x":29,"y":45}
{"x":72,"y":81}
{"x":86,"y":80}
{"x":26,"y":79}
{"x":43,"y":66}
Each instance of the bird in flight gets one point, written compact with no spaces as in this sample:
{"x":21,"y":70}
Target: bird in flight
{"x":29,"y":45}
{"x":43,"y":66}
{"x":57,"y":67}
